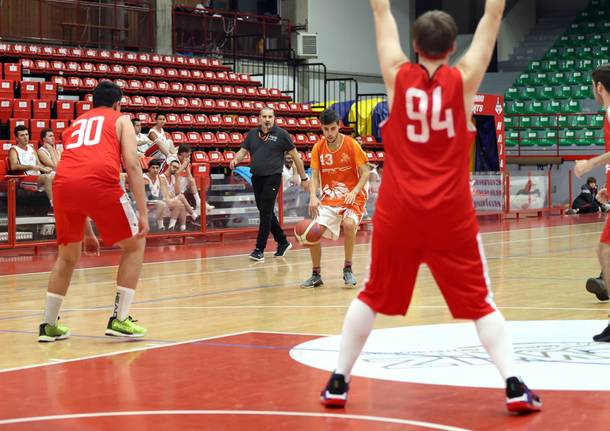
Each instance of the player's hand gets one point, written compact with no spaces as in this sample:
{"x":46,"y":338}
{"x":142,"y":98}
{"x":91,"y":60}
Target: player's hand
{"x":602,"y":196}
{"x":232,"y":164}
{"x":350,"y":198}
{"x":581,"y":167}
{"x":91,"y":246}
{"x":294,"y":180}
{"x":305,"y":185}
{"x":314,"y":207}
{"x":142,"y":225}
{"x":45,"y":169}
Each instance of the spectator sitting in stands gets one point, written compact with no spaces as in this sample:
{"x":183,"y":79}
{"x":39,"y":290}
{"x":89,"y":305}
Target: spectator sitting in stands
{"x":157,"y":136}
{"x":152,"y":186}
{"x":585,"y":202}
{"x":22,"y":159}
{"x":170,"y":190}
{"x":143,"y":142}
{"x":290,"y":185}
{"x":290,"y":175}
{"x":188,"y":186}
{"x":48,"y":153}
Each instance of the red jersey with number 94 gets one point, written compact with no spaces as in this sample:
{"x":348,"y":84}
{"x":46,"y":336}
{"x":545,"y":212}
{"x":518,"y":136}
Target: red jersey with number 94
{"x":92,"y":150}
{"x":427,"y":141}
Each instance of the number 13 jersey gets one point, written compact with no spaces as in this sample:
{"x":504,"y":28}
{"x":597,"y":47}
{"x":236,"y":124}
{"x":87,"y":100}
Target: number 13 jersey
{"x":92,"y":151}
{"x":425,"y":190}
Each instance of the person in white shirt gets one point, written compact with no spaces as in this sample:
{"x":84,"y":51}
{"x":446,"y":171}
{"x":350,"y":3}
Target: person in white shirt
{"x":177,"y":203}
{"x":48,"y":153}
{"x":152,"y":187}
{"x":143,"y":142}
{"x":22,"y":159}
{"x":157,"y":136}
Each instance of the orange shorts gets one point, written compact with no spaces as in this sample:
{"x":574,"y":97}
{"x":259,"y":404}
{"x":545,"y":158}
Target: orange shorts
{"x":461,"y":275}
{"x":109,"y":208}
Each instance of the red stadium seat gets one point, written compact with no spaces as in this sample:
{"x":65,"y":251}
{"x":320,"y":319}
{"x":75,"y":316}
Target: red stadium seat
{"x":48,"y":91}
{"x":184,"y":74}
{"x":58,"y":127}
{"x":258,"y":105}
{"x":153,"y":102}
{"x":7,"y":89}
{"x":14,"y":122}
{"x":125,"y":100}
{"x":228,"y":121}
{"x":167,"y":102}
{"x":203,"y":89}
{"x":201,"y":120}
{"x":65,"y":109}
{"x":282,"y":107}
{"x":71,"y":67}
{"x":149,"y":87}
{"x":215,"y":90}
{"x":307,"y":156}
{"x":301,"y":140}
{"x":254,"y":121}
{"x":195,"y":104}
{"x":102,"y":69}
{"x":313,"y":138}
{"x":41,"y":109}
{"x":22,"y":108}
{"x":176,"y":87}
{"x":189,"y":88}
{"x":236,"y":138}
{"x":158,"y":72}
{"x":242,"y":122}
{"x":187,"y":120}
{"x":181,"y":103}
{"x":369,"y":141}
{"x":36,"y":126}
{"x":131,"y":70}
{"x":252,"y":92}
{"x":303,"y":123}
{"x":314,"y":123}
{"x":208,"y":138}
{"x":209,"y":76}
{"x":209,"y":104}
{"x":105,"y":55}
{"x":222,"y":138}
{"x":87,"y":68}
{"x":275,"y":93}
{"x":144,"y":71}
{"x":171,"y":73}
{"x":162,"y":87}
{"x":73,"y":83}
{"x":82,"y":107}
{"x":248,"y":105}
{"x":179,"y":138}
{"x":235,"y":106}
{"x":306,"y":107}
{"x":172,"y":120}
{"x":291,"y":123}
{"x":89,"y":84}
{"x":12,"y":71}
{"x":137,"y":102}
{"x":222,"y":76}
{"x":134,"y":85}
{"x":228,"y":155}
{"x":144,"y":118}
{"x":263,"y":93}
{"x":193,"y":138}
{"x":216,"y":157}
{"x":280,"y":122}
{"x":228,"y":90}
{"x":371,"y":156}
{"x":6,"y":109}
{"x":215,"y":121}
{"x":222,"y":105}
{"x":57,"y":66}
{"x":380,"y":156}
{"x":199,"y":157}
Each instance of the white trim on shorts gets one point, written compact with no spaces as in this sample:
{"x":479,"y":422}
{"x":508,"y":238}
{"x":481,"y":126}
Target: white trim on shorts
{"x":130,"y":214}
{"x":330,"y":218}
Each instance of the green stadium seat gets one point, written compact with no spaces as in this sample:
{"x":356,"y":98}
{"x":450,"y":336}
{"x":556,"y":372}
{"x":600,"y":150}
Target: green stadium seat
{"x":568,"y":53}
{"x":550,"y":66}
{"x":567,"y":137}
{"x":527,"y":93}
{"x":512,"y":138}
{"x":557,"y":78}
{"x":575,"y":78}
{"x":584,"y":52}
{"x":547,"y":121}
{"x":511,"y":94}
{"x":548,"y":138}
{"x":582,"y":92}
{"x":596,"y":121}
{"x":523,"y":80}
{"x":552,"y":54}
{"x":534,"y":66}
{"x":524,"y":122}
{"x":585,"y":65}
{"x":535,"y":107}
{"x":598,"y":62}
{"x":603,"y":27}
{"x":562,"y":92}
{"x":552,"y":107}
{"x":570,"y":107}
{"x":607,"y":39}
{"x":509,"y":121}
{"x":515,"y":107}
{"x":595,"y":41}
{"x":539,"y":78}
{"x":579,"y":40}
{"x":592,"y":137}
{"x":530,"y":138}
{"x":563,"y":41}
{"x":574,"y":28}
{"x":578,"y":121}
{"x":563,"y":120}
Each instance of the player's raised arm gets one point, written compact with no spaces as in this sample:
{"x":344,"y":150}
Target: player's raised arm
{"x":476,"y":59}
{"x":389,"y":51}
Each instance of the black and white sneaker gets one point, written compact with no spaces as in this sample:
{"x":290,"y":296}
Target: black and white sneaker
{"x":334,"y":393}
{"x":597,"y":287}
{"x":282,"y":249}
{"x":603,"y":336}
{"x":257,"y":255}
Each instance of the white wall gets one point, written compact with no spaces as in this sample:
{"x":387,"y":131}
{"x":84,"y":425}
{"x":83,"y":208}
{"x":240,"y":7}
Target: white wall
{"x":346,"y":34}
{"x":515,"y":26}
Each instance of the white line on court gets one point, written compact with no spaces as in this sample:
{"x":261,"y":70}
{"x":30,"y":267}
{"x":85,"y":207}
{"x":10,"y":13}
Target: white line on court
{"x":421,"y":424}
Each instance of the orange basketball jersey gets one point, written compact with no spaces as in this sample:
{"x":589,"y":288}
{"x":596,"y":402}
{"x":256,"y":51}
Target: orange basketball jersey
{"x":339,"y":170}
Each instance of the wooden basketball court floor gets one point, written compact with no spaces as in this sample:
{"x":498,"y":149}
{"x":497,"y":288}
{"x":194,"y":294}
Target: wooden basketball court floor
{"x":222,"y":332}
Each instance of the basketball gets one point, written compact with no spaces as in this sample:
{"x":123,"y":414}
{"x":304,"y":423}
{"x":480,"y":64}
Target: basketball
{"x":308,"y":232}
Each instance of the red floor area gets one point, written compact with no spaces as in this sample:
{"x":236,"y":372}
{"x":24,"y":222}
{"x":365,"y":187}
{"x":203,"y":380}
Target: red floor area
{"x":23,"y":261}
{"x":248,"y":381}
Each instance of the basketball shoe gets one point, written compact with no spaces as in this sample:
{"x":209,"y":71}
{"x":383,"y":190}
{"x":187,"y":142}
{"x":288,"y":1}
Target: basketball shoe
{"x":257,"y":255}
{"x":603,"y":336}
{"x":314,"y":281}
{"x":282,"y":249}
{"x":48,"y":333}
{"x":124,"y":328}
{"x":334,"y":393}
{"x":597,"y":287}
{"x":348,"y":278}
{"x":519,"y":398}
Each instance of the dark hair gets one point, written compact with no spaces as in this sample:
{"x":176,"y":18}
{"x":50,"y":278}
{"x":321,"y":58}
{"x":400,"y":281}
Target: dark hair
{"x":155,"y":162}
{"x":184,"y":148}
{"x":591,"y":180}
{"x":434,"y":33}
{"x":602,"y":74}
{"x":20,"y":128}
{"x":45,"y":132}
{"x":329,"y":116}
{"x":107,"y":93}
{"x":133,"y":121}
{"x":160,"y":114}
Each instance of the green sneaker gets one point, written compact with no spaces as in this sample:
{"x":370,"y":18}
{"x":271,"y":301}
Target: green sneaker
{"x":124,"y":328}
{"x":48,"y":333}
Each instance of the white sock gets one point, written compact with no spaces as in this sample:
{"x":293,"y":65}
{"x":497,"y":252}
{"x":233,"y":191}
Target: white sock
{"x":197,"y":200}
{"x":357,"y":326}
{"x":51,"y":309}
{"x":172,"y":223}
{"x":159,"y":224}
{"x":182,"y":227}
{"x":122,"y":302}
{"x":495,"y":338}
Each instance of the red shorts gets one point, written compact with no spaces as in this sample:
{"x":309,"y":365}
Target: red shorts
{"x":461,"y":274}
{"x":605,"y":238}
{"x":109,"y":208}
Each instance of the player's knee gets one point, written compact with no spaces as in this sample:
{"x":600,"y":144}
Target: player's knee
{"x":349,"y":224}
{"x":70,"y":255}
{"x":132,"y":245}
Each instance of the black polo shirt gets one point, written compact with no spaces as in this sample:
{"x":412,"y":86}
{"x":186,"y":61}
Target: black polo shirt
{"x":267,"y":156}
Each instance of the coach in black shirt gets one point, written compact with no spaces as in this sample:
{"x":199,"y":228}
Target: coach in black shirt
{"x":267,"y":146}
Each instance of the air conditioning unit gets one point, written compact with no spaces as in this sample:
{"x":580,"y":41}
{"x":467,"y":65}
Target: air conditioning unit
{"x":307,"y":45}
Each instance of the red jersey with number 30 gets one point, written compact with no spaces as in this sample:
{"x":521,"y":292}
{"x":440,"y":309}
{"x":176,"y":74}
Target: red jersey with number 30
{"x":425,"y":189}
{"x":92,"y":150}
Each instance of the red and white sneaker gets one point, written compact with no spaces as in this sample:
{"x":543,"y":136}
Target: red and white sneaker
{"x":334,"y":393}
{"x":520,"y":399}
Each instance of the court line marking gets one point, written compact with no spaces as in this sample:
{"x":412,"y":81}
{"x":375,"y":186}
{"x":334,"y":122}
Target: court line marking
{"x":365,"y":418}
{"x":341,"y":246}
{"x":138,"y":349}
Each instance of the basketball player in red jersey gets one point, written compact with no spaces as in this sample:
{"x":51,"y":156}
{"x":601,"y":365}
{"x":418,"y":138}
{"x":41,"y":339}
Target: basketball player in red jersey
{"x":601,"y":91}
{"x":87,"y":186}
{"x":424,"y":211}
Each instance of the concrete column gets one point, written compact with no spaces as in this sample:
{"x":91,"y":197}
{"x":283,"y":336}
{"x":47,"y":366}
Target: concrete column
{"x":163,"y":27}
